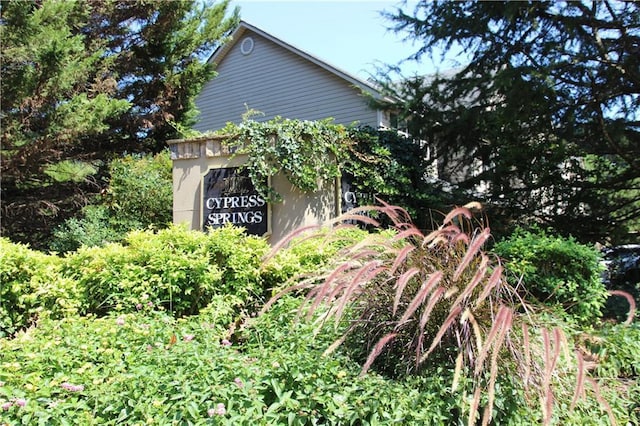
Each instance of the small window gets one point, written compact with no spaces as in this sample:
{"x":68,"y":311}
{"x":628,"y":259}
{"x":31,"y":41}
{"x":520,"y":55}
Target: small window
{"x":246,"y":46}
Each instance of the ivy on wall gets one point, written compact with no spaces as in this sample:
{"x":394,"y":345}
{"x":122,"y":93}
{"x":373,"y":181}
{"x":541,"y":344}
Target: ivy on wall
{"x":381,"y":163}
{"x":306,"y":152}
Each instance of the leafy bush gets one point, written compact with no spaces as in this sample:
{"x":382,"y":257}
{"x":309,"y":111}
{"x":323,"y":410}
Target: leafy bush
{"x":137,"y":368}
{"x":556,"y":271}
{"x":149,"y":368}
{"x":414,"y":303}
{"x":176,"y":268}
{"x":141,"y":189}
{"x":388,"y":165}
{"x":93,"y":229}
{"x":32,"y":287}
{"x":139,"y":195}
{"x":617,"y":348}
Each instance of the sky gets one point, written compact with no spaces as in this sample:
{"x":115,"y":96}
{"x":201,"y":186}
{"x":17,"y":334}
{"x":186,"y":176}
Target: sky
{"x":349,"y":34}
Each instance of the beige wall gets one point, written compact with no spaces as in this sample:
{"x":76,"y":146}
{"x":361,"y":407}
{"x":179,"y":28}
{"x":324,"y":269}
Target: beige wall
{"x":193,"y":158}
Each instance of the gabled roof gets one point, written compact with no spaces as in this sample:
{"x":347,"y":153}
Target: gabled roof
{"x":219,"y":54}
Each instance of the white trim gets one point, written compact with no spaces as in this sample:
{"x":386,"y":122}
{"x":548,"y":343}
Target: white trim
{"x":247,"y":45}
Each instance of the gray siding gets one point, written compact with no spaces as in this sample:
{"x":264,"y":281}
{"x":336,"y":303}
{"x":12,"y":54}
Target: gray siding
{"x":277,"y":82}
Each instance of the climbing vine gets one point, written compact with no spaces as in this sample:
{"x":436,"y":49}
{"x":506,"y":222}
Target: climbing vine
{"x":380,"y":163}
{"x":306,"y":152}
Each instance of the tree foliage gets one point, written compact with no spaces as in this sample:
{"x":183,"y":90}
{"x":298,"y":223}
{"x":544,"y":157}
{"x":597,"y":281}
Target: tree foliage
{"x":83,"y":80}
{"x":545,"y":113}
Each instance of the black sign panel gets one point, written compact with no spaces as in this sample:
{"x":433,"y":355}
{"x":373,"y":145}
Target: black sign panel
{"x":230,"y":197}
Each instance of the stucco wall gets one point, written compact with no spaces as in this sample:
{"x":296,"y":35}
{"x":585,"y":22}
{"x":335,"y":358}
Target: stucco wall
{"x":192,"y":159}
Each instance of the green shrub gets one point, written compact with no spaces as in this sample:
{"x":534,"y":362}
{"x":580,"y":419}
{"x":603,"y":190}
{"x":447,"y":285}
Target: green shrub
{"x":176,"y":268}
{"x":141,"y":189}
{"x":307,"y":255}
{"x":139,"y":196}
{"x":617,"y":348}
{"x":32,"y":287}
{"x":419,"y":304}
{"x":555,"y":271}
{"x":93,"y":229}
{"x":149,"y":368}
{"x":136,"y":368}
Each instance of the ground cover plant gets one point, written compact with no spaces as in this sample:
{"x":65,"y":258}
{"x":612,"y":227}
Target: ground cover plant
{"x":221,"y":362}
{"x":417,"y":300}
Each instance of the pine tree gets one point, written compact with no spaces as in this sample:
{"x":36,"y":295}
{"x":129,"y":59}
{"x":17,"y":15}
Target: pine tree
{"x":86,"y":80}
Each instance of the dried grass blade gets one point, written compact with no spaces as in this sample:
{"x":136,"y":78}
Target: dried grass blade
{"x":458,"y":211}
{"x":557,"y":345}
{"x":287,"y":239}
{"x":278,"y":295}
{"x":338,"y":341}
{"x":400,"y":258}
{"x":468,"y":315}
{"x":421,"y":295}
{"x":579,"y":391}
{"x":492,"y":282}
{"x":473,"y":205}
{"x":411,"y":231}
{"x":457,"y":372}
{"x":474,"y":247}
{"x":499,"y":322}
{"x":455,"y":311}
{"x":527,"y":355}
{"x":323,"y":289}
{"x":546,"y":397}
{"x":430,"y":237}
{"x":376,"y":351}
{"x":401,"y":283}
{"x":494,"y":365}
{"x":428,"y":309}
{"x":473,"y":409}
{"x":477,"y":278}
{"x":354,"y":216}
{"x":601,"y":400}
{"x":362,"y":277}
{"x":396,"y":213}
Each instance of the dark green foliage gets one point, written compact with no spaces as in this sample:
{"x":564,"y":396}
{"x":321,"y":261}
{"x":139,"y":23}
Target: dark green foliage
{"x":31,"y":287}
{"x":139,"y":196}
{"x":378,"y":163}
{"x":555,"y":271}
{"x":84,"y":80}
{"x":394,"y":167}
{"x":616,"y":348}
{"x":622,"y":274}
{"x":92,"y":229}
{"x":542,"y":111}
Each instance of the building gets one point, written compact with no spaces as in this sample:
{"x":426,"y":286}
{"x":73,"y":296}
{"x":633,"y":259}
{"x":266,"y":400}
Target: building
{"x":260,"y":72}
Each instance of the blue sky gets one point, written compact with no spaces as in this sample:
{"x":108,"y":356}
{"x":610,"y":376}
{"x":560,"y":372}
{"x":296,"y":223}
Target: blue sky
{"x":349,"y":34}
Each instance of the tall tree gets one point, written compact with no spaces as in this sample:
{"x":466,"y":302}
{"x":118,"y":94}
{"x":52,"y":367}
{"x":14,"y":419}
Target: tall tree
{"x":85,"y":80}
{"x":545,"y":117}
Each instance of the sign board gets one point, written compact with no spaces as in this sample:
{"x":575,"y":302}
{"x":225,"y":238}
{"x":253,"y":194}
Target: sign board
{"x":228,"y":196}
